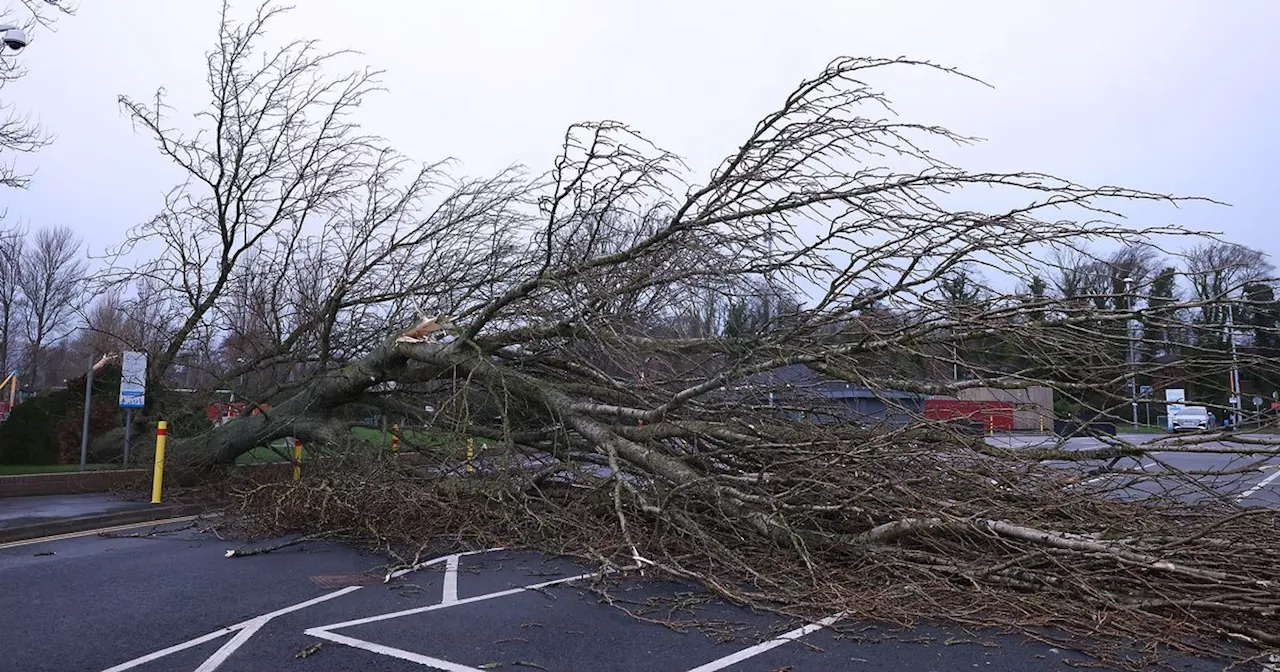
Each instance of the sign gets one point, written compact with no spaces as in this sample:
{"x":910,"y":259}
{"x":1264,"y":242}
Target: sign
{"x":133,"y":380}
{"x":1144,"y":390}
{"x":1175,"y":394}
{"x":1257,"y":401}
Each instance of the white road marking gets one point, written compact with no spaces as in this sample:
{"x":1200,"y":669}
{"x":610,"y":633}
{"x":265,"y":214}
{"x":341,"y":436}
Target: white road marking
{"x":85,"y":533}
{"x":434,"y":607}
{"x":1258,"y":486}
{"x":735,"y":658}
{"x":410,"y":656}
{"x":326,"y":631}
{"x":173,"y":649}
{"x":301,"y":605}
{"x":449,"y":594}
{"x":1143,"y":466}
{"x":247,"y":629}
{"x":220,"y":656}
{"x":435,"y":561}
{"x":252,"y":626}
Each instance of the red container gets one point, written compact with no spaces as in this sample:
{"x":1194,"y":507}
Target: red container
{"x":992,"y":414}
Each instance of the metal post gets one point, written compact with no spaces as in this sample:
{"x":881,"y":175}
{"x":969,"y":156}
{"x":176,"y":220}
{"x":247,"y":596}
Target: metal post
{"x":84,"y":428}
{"x":1133,"y":357}
{"x":1235,"y":365}
{"x":157,"y":478}
{"x":128,"y":429}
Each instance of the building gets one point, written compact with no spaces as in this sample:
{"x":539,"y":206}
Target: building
{"x":810,"y":396}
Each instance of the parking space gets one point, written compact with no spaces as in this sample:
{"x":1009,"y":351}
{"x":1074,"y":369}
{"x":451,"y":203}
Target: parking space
{"x":174,"y":601}
{"x":1245,"y":480}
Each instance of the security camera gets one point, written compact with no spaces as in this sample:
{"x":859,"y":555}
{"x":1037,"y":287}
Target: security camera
{"x":15,"y":39}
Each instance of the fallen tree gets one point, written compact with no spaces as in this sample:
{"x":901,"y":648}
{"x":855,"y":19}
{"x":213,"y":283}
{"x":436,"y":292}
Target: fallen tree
{"x":592,"y":335}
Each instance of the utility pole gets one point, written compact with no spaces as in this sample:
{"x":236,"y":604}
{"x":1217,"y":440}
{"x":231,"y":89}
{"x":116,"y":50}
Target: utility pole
{"x":1234,"y":381}
{"x":84,"y":428}
{"x":1133,"y":359}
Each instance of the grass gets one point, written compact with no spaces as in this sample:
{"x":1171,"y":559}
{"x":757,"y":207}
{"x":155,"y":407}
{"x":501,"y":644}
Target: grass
{"x":265,"y":455}
{"x":23,"y":469}
{"x":373,"y":435}
{"x":419,"y":436}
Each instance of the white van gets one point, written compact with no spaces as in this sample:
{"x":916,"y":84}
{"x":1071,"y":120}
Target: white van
{"x":1194,"y":418}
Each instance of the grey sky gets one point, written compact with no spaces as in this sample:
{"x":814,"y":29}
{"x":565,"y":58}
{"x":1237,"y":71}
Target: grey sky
{"x":1173,"y":96}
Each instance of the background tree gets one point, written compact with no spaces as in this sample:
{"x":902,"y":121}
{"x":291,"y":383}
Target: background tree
{"x":50,"y":276}
{"x":1217,"y":273}
{"x":11,"y":248}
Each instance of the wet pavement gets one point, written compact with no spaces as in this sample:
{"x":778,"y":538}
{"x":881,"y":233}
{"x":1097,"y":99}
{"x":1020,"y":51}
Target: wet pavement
{"x":23,"y":511}
{"x":168,"y":598}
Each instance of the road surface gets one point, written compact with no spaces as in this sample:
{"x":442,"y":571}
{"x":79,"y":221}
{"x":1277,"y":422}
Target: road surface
{"x":173,"y":601}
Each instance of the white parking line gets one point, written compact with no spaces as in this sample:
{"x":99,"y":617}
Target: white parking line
{"x":456,"y":603}
{"x":173,"y":649}
{"x":1259,"y":485}
{"x":449,"y":592}
{"x":220,"y":656}
{"x":435,"y":561}
{"x":374,"y":647}
{"x":325,"y":631}
{"x":735,"y":658}
{"x":1144,"y":466}
{"x":250,"y":626}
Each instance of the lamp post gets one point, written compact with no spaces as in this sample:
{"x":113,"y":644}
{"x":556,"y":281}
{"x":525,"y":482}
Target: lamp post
{"x":1234,"y":381}
{"x":13,"y":37}
{"x":1133,"y":359}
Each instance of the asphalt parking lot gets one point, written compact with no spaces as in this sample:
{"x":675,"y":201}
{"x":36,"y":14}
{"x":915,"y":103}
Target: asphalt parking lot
{"x":1251,"y":480}
{"x":174,"y":601}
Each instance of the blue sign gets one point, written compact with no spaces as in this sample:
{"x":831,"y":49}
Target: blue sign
{"x":133,"y":380}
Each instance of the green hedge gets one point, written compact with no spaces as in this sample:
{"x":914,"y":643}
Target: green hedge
{"x":30,"y":435}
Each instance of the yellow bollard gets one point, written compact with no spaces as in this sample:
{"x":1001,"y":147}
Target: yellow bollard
{"x":157,"y":479}
{"x":297,"y":459}
{"x":395,"y":438}
{"x":471,"y":453}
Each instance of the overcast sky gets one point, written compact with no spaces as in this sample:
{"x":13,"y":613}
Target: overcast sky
{"x":1169,"y":95}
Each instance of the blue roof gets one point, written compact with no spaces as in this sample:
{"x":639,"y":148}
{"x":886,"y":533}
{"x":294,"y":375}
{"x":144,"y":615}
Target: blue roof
{"x":801,"y":377}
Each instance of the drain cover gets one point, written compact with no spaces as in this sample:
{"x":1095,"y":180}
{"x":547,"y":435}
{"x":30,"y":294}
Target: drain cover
{"x":332,"y":581}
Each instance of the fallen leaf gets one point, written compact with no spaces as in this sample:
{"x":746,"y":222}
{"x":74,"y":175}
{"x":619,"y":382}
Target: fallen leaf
{"x":308,"y":651}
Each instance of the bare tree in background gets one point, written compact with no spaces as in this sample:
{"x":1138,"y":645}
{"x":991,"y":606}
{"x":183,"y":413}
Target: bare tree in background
{"x":19,"y":133}
{"x":51,"y":276}
{"x":546,"y":332}
{"x":1218,"y":272}
{"x":104,"y":325}
{"x":11,"y":247}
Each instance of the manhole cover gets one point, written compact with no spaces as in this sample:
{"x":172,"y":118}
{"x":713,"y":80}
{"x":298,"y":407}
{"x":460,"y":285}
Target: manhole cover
{"x":332,"y":581}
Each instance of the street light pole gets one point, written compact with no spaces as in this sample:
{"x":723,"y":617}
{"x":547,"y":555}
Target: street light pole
{"x":1133,"y":359}
{"x":1235,"y":365}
